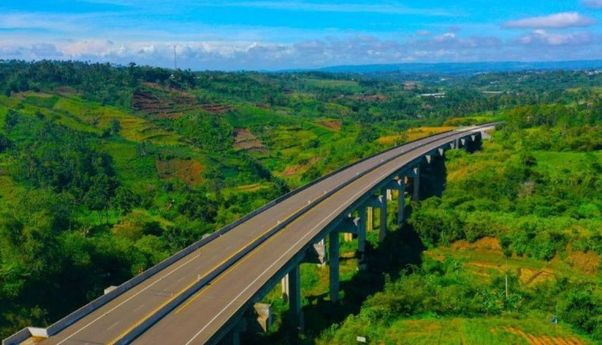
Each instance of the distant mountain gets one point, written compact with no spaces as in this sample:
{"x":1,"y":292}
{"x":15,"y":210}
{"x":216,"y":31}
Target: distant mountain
{"x":463,"y":68}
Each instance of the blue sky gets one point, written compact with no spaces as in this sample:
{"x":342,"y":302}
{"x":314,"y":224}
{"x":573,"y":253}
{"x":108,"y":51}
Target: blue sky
{"x":244,"y":34}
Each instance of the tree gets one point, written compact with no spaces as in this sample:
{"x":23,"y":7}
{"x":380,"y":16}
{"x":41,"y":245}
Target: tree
{"x":4,"y":143}
{"x":115,"y":127}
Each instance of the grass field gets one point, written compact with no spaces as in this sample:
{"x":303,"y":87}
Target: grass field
{"x":345,"y":85}
{"x":526,"y":330}
{"x":412,"y":134}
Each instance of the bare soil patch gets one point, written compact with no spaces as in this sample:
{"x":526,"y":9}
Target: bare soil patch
{"x":486,"y":243}
{"x":530,"y":276}
{"x":296,"y":169}
{"x":370,"y":98}
{"x":158,"y":102}
{"x":188,"y":171}
{"x":65,"y":91}
{"x":587,"y":262}
{"x":245,"y":140}
{"x":544,"y":340}
{"x":331,"y":124}
{"x":250,"y":187}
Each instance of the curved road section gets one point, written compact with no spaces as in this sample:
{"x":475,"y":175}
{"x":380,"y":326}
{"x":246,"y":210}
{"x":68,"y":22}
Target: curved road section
{"x":222,"y":276}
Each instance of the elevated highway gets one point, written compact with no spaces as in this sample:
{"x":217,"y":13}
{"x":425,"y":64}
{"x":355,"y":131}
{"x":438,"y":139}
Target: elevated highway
{"x":199,"y":295}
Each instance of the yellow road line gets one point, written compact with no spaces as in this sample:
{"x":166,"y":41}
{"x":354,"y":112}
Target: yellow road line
{"x":198,"y":294}
{"x":148,"y":315}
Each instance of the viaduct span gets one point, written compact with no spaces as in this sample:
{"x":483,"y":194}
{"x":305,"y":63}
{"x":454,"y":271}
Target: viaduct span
{"x":202,"y":294}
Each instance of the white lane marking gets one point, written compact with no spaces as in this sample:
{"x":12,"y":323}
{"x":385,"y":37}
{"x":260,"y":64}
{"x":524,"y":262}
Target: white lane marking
{"x":274,"y":263}
{"x":127,"y":300}
{"x":183,"y":264}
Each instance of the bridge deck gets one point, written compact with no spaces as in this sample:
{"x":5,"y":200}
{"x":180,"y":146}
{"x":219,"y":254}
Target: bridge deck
{"x":196,"y":320}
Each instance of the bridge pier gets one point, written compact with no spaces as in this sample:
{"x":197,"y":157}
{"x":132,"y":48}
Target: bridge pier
{"x":316,"y":253}
{"x":398,"y":185}
{"x":383,"y":218}
{"x":401,"y":206}
{"x":401,"y":200}
{"x":379,"y":201}
{"x":320,"y":250}
{"x":416,"y":184}
{"x":294,"y":281}
{"x":349,"y":226}
{"x":475,"y":143}
{"x":233,"y":336}
{"x":333,"y":256}
{"x":361,"y":233}
{"x":260,"y":318}
{"x":284,"y":284}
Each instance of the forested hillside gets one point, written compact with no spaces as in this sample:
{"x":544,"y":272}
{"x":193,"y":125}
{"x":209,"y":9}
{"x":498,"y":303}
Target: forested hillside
{"x":527,"y":208}
{"x":105,"y":171}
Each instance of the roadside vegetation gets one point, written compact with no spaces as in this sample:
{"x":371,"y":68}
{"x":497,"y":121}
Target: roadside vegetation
{"x":525,"y":208}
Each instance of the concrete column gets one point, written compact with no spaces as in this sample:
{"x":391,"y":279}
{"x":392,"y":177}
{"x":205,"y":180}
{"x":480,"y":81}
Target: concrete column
{"x":285,"y":288}
{"x":370,"y":218}
{"x":294,"y":279}
{"x":233,"y":337}
{"x":320,"y":248}
{"x":333,"y":246}
{"x":416,"y":179}
{"x":383,"y":218}
{"x":262,"y":316}
{"x":401,"y":203}
{"x":361,"y":233}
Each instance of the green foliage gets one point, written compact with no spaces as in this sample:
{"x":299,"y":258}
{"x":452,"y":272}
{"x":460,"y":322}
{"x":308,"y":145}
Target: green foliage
{"x":537,"y":201}
{"x":437,"y":289}
{"x":5,"y":143}
{"x":95,"y":191}
{"x":66,"y":161}
{"x":208,"y":132}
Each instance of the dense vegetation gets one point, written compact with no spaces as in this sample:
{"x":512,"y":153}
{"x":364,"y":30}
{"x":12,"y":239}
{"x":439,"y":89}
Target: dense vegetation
{"x":104,"y":171}
{"x":532,"y":195}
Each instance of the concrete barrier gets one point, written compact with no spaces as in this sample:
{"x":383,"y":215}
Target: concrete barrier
{"x":18,"y":337}
{"x":139,"y":329}
{"x":104,"y":299}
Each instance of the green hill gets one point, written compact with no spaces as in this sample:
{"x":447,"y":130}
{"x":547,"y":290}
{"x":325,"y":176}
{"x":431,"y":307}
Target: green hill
{"x":106,"y":170}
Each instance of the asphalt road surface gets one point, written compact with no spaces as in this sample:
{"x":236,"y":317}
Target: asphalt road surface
{"x":198,"y":318}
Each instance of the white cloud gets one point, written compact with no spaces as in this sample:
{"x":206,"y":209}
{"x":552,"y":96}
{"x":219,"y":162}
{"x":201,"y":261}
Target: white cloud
{"x":541,"y":36}
{"x":558,"y":20}
{"x":592,"y":3}
{"x":225,"y":54}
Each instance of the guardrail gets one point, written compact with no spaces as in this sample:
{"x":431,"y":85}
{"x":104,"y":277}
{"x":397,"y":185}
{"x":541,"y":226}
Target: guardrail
{"x":171,"y":305}
{"x":106,"y":298}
